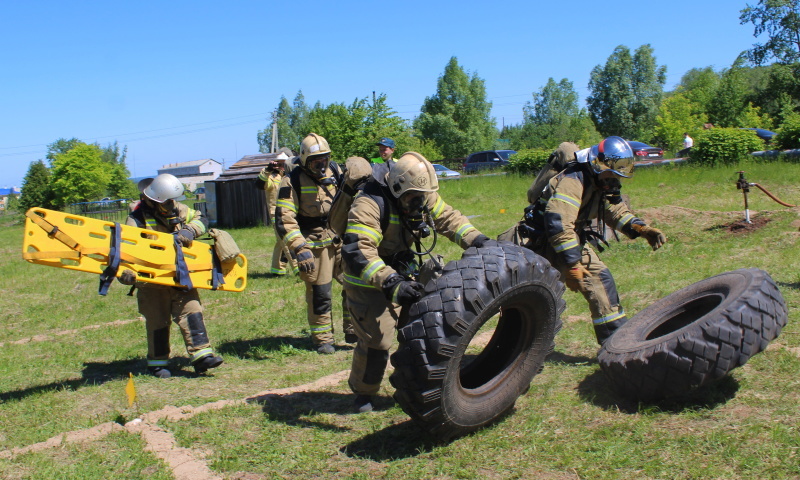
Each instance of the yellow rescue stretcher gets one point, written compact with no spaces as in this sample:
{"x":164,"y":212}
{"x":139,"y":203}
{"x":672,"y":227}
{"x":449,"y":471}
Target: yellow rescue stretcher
{"x":63,"y":240}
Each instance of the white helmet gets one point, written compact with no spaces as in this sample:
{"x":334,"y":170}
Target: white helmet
{"x":162,"y":188}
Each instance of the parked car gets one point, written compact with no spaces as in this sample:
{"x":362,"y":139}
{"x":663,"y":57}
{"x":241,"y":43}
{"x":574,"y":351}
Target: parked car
{"x":487,"y":160}
{"x":643,"y":151}
{"x":444,"y":172}
{"x":765,"y":135}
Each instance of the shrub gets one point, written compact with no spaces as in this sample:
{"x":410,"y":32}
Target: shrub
{"x":724,"y":146}
{"x":528,"y":161}
{"x":788,"y":133}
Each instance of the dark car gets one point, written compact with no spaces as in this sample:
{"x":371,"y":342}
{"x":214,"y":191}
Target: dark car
{"x":487,"y":160}
{"x":643,"y":151}
{"x":765,"y":135}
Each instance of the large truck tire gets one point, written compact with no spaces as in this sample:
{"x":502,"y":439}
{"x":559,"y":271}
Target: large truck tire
{"x":450,"y":390}
{"x":694,"y":336}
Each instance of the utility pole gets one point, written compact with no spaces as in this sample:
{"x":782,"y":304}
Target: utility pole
{"x":274,"y":146}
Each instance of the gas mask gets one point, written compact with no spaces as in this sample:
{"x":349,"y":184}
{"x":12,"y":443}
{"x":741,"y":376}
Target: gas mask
{"x":317,"y":165}
{"x":414,"y":210}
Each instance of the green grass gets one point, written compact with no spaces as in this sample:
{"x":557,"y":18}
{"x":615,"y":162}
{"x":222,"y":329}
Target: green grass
{"x":569,"y":425}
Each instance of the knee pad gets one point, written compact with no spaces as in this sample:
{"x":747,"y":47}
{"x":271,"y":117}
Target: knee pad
{"x":321,"y":298}
{"x":197,"y":328}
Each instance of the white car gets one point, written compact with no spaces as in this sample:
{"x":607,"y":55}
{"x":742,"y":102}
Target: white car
{"x":444,"y":172}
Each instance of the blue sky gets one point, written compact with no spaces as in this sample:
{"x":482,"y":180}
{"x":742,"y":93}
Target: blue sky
{"x":178,"y":81}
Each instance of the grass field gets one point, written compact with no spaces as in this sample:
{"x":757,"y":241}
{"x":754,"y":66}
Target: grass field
{"x":66,"y":356}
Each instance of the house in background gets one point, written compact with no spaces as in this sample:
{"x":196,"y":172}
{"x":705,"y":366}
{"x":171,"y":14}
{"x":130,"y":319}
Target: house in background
{"x":232,"y":199}
{"x":5,"y":193}
{"x":195,"y":172}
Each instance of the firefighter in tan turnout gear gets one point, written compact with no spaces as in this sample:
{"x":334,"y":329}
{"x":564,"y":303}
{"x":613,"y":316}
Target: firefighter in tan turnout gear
{"x":159,"y":209}
{"x":301,"y":220}
{"x":557,"y":224}
{"x":387,"y":218}
{"x":269,"y":180}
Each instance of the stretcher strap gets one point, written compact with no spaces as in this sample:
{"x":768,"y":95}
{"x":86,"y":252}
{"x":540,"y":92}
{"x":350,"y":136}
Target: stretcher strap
{"x":217,"y":278}
{"x":110,"y":273}
{"x":52,"y":230}
{"x":181,"y":269}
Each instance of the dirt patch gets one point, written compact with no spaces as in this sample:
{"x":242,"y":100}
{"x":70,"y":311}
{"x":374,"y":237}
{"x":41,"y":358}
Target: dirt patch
{"x":741,"y":227}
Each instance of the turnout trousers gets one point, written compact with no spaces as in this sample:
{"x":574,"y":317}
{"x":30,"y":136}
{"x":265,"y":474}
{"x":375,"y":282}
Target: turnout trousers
{"x":374,"y":321}
{"x":598,"y":288}
{"x":327,"y":267}
{"x":161,"y":305}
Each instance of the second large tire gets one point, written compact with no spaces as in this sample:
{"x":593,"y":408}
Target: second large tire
{"x":694,"y":336}
{"x":451,"y":391}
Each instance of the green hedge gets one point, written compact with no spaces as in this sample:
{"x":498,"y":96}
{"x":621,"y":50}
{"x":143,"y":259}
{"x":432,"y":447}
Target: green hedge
{"x":528,"y":161}
{"x":789,"y":133}
{"x":724,"y":146}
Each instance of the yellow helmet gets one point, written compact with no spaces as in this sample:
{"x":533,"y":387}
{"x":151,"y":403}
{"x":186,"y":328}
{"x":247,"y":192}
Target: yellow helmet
{"x":311,"y":146}
{"x":412,"y":172}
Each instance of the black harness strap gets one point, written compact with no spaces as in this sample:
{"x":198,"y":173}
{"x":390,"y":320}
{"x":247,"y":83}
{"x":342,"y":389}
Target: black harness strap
{"x":110,"y":271}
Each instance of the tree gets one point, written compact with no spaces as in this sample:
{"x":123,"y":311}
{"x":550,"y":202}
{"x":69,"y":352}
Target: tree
{"x":675,"y":117}
{"x":79,"y":175}
{"x":291,"y":121}
{"x":62,"y":145}
{"x":457,"y":118}
{"x":626,"y":93}
{"x":699,"y":86}
{"x":36,"y":190}
{"x":554,"y":117}
{"x":353,"y":130}
{"x":780,"y":21}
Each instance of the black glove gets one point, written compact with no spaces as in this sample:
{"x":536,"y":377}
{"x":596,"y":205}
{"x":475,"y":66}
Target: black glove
{"x":403,"y":292}
{"x":128,"y":277}
{"x":305,"y":259}
{"x":185,"y":236}
{"x":483,"y":241}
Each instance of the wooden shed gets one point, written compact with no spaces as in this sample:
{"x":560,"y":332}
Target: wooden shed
{"x":232,"y":199}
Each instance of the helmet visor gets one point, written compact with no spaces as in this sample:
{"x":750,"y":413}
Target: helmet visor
{"x":318,"y":164}
{"x":413,"y":201}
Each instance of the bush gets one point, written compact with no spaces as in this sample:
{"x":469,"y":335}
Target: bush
{"x":528,"y":161}
{"x":724,"y":146}
{"x":788,"y":133}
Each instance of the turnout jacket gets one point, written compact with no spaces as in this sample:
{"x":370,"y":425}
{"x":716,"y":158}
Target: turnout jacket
{"x":569,"y":203}
{"x":375,"y":238}
{"x":303,"y":217}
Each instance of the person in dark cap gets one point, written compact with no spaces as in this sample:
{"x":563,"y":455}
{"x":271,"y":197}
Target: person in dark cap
{"x":386,"y":148}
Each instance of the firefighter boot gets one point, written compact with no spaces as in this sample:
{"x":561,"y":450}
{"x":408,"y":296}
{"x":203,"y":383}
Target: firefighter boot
{"x":159,"y":372}
{"x":206,"y":363}
{"x":326,"y":348}
{"x":363,"y":403}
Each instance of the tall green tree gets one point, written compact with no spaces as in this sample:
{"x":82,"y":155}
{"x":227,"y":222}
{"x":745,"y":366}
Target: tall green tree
{"x":119,"y":183}
{"x":457,"y":118}
{"x":780,"y":21}
{"x":552,"y":117}
{"x":79,"y":175}
{"x":626,"y":93}
{"x":291,"y":120}
{"x":676,"y":116}
{"x":62,"y":145}
{"x":353,"y":130}
{"x":698,"y":86}
{"x":36,"y":189}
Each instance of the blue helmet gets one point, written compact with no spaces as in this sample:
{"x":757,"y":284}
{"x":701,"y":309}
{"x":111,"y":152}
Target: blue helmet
{"x":613,"y":154}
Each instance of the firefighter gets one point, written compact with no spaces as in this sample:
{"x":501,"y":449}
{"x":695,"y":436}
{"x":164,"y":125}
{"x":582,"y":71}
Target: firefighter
{"x":301,"y":220}
{"x":269,"y":180}
{"x":160,"y":209}
{"x":386,"y":222}
{"x":558,"y":224}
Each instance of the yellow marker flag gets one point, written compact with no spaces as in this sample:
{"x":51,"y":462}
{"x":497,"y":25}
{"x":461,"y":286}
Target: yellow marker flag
{"x":130,"y":390}
{"x":502,"y":210}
